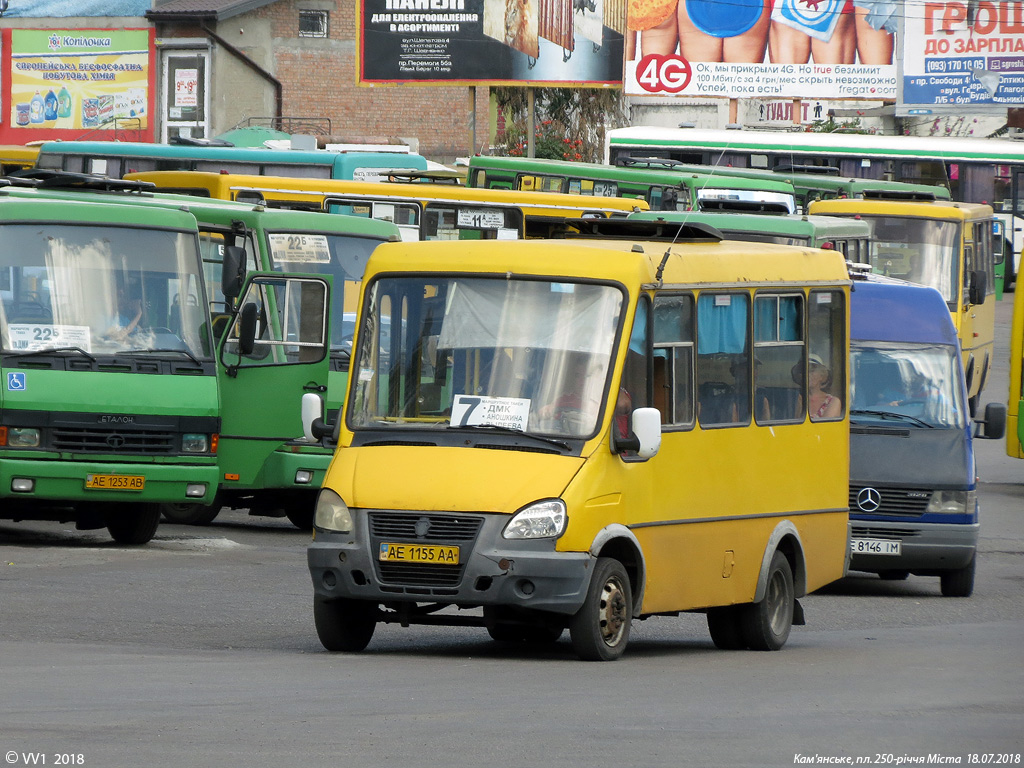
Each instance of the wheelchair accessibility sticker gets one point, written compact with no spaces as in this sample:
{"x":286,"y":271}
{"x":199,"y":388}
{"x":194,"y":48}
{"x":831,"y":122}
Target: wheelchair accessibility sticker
{"x":15,"y":381}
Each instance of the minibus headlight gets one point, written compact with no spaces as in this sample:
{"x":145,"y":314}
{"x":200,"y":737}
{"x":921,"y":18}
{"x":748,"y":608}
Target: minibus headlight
{"x":951,"y":503}
{"x":332,"y":513}
{"x":23,"y":437}
{"x":194,"y":442}
{"x":542,"y":520}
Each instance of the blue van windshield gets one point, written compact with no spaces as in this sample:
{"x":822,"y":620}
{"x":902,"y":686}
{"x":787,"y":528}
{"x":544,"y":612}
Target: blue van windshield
{"x":916,"y":384}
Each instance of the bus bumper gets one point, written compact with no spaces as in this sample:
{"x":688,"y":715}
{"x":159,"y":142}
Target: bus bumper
{"x":491,"y":571}
{"x":34,"y":480}
{"x":924,"y":547}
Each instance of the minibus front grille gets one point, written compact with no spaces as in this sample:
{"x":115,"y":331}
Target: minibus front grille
{"x":421,"y":528}
{"x":867,"y":532}
{"x":92,"y":440}
{"x":898,"y":502}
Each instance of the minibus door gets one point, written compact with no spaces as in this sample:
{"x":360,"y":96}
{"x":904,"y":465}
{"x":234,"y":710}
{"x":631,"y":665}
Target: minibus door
{"x":275,"y":350}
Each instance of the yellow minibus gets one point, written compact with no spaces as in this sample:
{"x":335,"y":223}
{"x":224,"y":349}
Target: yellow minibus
{"x":587,"y":432}
{"x":421,"y":210}
{"x":947,"y":246}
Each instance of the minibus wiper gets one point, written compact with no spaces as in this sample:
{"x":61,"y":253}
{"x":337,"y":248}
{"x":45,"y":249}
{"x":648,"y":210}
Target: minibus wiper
{"x":511,"y":431}
{"x":48,"y":350}
{"x":892,"y":415}
{"x":185,"y":352}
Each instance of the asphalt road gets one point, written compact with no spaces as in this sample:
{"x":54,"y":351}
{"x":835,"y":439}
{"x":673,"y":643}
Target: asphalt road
{"x":199,"y":650}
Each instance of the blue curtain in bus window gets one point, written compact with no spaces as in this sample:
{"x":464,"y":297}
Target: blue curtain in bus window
{"x":777,"y":318}
{"x":721,"y":324}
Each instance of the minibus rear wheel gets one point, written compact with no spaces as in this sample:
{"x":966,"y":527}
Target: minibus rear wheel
{"x":724,"y":626}
{"x":766,"y":624}
{"x":133,"y":523}
{"x":344,"y":625}
{"x":600,"y":629}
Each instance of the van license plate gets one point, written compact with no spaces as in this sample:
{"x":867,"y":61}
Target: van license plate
{"x":419,"y":553}
{"x":115,"y":482}
{"x":875,"y":547}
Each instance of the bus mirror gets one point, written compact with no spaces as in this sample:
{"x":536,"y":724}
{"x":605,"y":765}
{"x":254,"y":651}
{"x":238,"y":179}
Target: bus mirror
{"x":647,"y":429}
{"x":232,"y":271}
{"x":314,"y":428}
{"x":993,"y":426}
{"x":247,"y":320}
{"x":976,"y":294}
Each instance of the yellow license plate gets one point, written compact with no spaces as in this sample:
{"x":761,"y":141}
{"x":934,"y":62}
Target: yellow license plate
{"x":115,"y":482}
{"x":419,"y":553}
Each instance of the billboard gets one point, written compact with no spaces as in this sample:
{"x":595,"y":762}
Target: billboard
{"x":825,"y":49}
{"x":492,"y":42}
{"x":63,"y":83}
{"x":959,"y":53}
{"x":59,"y":9}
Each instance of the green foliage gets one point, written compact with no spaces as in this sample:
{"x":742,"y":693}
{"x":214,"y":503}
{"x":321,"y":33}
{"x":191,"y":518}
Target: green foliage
{"x":570,"y":122}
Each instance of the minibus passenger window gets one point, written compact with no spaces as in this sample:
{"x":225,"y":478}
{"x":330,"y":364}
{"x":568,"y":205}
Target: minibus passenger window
{"x":778,"y":357}
{"x":673,"y":359}
{"x":723,"y":359}
{"x":826,"y":357}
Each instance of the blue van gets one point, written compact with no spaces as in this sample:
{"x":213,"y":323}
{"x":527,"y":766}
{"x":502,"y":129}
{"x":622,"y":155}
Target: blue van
{"x":913,"y":483}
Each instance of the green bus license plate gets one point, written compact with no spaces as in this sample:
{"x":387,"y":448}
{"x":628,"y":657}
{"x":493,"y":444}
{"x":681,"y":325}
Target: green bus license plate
{"x":115,"y":482}
{"x":418,"y":553}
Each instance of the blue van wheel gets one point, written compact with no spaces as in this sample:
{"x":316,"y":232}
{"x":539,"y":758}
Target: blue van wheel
{"x":958,"y":583}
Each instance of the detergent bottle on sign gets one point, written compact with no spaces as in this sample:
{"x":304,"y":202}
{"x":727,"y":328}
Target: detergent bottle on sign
{"x":36,"y":109}
{"x":50,"y":106}
{"x":64,"y":103}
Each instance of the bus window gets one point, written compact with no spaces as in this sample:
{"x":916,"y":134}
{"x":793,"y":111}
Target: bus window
{"x":778,"y":350}
{"x":723,"y":359}
{"x":673,"y":359}
{"x":532,"y":183}
{"x":825,"y":333}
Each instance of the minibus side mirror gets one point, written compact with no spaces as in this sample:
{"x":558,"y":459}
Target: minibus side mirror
{"x":976,"y":294}
{"x":645,"y":434}
{"x":993,"y":426}
{"x":314,"y":428}
{"x":232,"y":271}
{"x":247,"y":320}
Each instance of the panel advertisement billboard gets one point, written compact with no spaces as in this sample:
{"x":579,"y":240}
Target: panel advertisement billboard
{"x":820,"y":49}
{"x":493,"y":42}
{"x":66,"y":83}
{"x":960,"y":53}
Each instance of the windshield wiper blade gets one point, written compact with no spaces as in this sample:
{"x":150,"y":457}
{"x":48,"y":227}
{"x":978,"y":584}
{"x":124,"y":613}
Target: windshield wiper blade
{"x":511,"y":431}
{"x":48,"y":350}
{"x":185,"y":352}
{"x":892,"y":415}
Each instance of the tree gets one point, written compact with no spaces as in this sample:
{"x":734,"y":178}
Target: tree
{"x":570,"y":122}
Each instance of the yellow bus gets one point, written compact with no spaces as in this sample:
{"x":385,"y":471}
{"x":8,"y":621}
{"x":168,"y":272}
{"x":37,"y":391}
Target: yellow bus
{"x":422,"y":210}
{"x":17,"y":157}
{"x":947,"y":246}
{"x":588,"y":432}
{"x":1014,"y":425}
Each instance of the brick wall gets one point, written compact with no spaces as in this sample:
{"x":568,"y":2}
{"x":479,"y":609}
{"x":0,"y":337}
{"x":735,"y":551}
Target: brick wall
{"x":319,"y":81}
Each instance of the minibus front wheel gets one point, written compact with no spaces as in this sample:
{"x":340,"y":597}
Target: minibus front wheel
{"x":600,"y":629}
{"x":344,"y":625}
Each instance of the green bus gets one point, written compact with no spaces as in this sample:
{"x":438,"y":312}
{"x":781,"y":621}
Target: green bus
{"x":810,"y":182}
{"x":849,"y":236}
{"x":663,"y":189}
{"x":264,"y":463}
{"x":117,"y":158}
{"x":109,"y":404}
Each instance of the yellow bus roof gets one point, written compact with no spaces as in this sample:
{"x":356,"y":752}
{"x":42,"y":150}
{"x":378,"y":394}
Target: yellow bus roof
{"x":939,"y":209}
{"x":633,"y":263}
{"x":228,"y":185}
